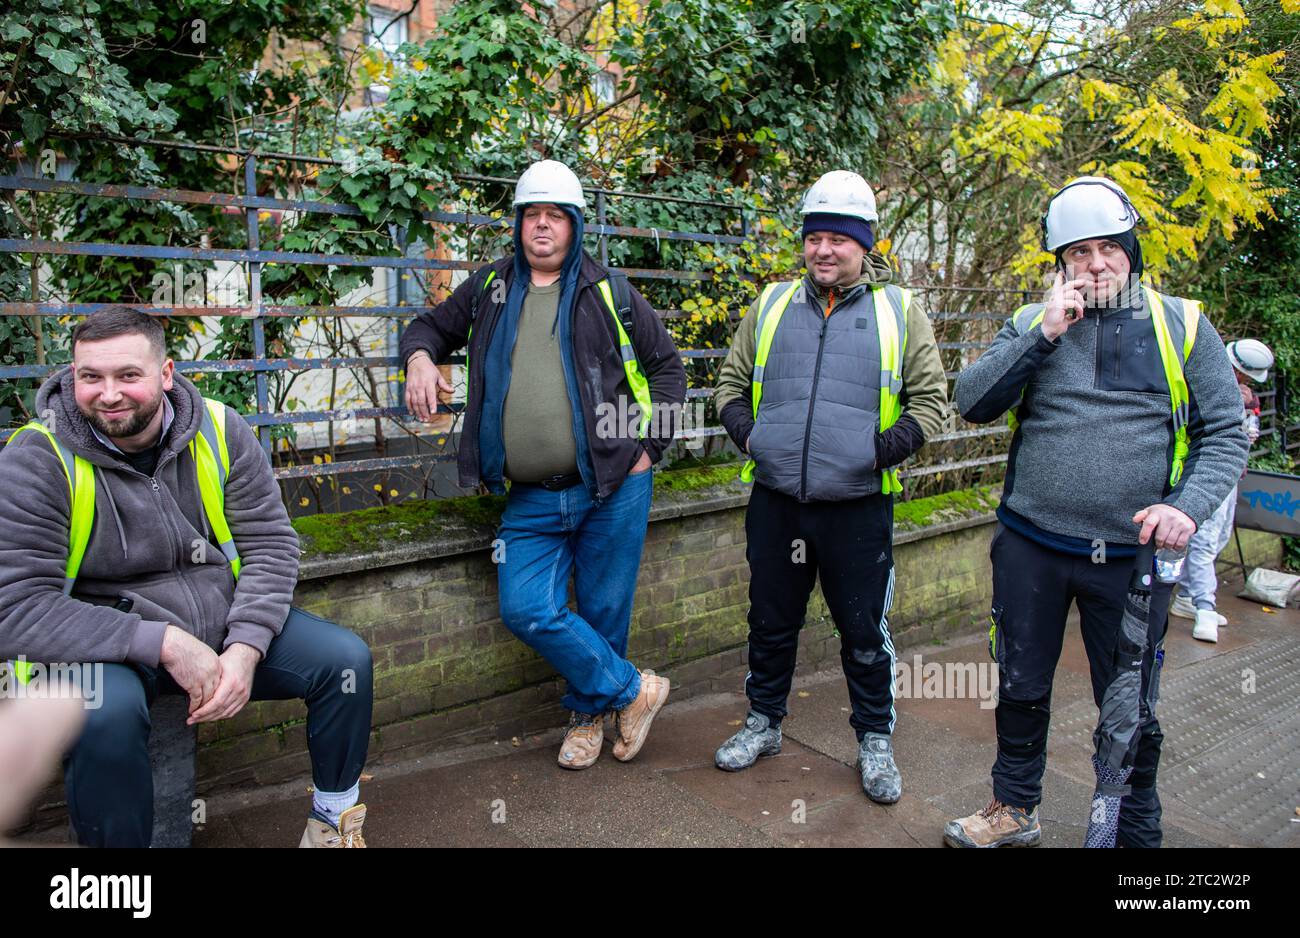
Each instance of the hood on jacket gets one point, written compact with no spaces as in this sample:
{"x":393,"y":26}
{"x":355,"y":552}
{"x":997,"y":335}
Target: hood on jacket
{"x":497,"y":356}
{"x":572,"y":260}
{"x":57,"y":399}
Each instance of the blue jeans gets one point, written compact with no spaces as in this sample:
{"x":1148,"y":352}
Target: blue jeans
{"x":547,"y":536}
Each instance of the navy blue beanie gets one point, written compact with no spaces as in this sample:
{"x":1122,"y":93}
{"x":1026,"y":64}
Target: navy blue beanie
{"x":860,"y":231}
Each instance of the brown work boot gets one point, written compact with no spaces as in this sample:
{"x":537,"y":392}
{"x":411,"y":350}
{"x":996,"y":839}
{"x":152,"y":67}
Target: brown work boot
{"x":998,"y":825}
{"x":581,"y":746}
{"x":633,"y":721}
{"x":348,"y":833}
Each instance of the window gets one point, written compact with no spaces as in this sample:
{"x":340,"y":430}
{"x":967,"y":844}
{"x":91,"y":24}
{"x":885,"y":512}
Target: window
{"x":602,"y":87}
{"x":386,"y":31}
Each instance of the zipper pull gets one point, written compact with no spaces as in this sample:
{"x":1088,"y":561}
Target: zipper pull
{"x":154,"y":483}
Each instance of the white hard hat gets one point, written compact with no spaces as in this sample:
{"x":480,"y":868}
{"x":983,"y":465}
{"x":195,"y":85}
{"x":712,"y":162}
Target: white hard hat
{"x":841,"y":193}
{"x":1251,"y":357}
{"x":549,"y":181}
{"x":1087,"y":207}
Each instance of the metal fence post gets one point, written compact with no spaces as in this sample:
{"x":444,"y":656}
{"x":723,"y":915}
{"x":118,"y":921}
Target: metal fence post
{"x":399,"y":297}
{"x":600,"y":220}
{"x":1280,"y":408}
{"x":255,"y":302}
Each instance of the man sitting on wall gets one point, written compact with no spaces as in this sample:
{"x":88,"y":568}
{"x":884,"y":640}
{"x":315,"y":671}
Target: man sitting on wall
{"x":141,"y":527}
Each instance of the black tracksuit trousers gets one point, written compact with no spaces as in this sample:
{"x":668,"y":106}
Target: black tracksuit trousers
{"x":1033,"y":587}
{"x":849,"y":546}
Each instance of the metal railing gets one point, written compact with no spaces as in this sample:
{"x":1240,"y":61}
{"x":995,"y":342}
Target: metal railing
{"x":257,"y":311}
{"x":983,"y":322}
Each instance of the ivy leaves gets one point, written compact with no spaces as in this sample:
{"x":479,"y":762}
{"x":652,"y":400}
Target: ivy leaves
{"x":63,"y":77}
{"x":749,"y":89}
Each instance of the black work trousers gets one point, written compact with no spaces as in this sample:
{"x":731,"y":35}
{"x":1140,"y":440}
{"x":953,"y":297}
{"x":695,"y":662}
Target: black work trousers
{"x":1033,"y":587}
{"x":848,"y":545}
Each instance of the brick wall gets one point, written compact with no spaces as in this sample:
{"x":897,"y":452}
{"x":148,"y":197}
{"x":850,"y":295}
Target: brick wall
{"x":449,"y":674}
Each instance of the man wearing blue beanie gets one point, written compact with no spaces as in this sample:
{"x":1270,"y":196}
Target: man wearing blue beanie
{"x":831,"y":382}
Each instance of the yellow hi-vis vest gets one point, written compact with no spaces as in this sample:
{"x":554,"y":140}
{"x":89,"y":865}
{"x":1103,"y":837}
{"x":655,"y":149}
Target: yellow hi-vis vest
{"x":212,"y":466}
{"x":772,"y":305}
{"x":1171,"y":357}
{"x":636,"y":379}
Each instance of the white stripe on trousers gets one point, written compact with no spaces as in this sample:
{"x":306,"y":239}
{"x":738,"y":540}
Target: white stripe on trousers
{"x":888,"y":645}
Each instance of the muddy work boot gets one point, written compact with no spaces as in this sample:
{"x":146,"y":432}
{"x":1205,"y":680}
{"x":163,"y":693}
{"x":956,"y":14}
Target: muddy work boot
{"x":757,"y":738}
{"x":581,"y":746}
{"x":321,"y":833}
{"x":998,"y":825}
{"x":881,"y":779}
{"x":633,"y":721}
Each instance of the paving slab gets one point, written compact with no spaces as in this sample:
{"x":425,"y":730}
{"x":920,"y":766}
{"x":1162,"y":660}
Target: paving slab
{"x":1229,"y":775}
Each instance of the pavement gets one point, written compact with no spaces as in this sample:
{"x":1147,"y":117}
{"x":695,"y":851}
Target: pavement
{"x":1230,"y":773}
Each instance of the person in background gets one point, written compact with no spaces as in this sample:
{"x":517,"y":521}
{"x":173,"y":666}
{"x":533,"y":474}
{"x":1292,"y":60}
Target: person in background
{"x":1197,"y":584}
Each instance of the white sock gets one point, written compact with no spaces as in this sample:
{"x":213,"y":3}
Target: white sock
{"x":330,"y":804}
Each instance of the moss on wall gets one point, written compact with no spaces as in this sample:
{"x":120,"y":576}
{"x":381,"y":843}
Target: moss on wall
{"x":372,"y":528}
{"x":946,"y":506}
{"x":687,"y":480}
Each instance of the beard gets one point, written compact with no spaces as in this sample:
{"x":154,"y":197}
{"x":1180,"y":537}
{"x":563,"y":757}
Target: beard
{"x":129,"y":425}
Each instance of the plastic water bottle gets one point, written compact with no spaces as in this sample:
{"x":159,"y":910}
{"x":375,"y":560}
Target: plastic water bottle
{"x":1169,"y":564}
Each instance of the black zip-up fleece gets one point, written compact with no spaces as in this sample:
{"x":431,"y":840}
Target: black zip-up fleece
{"x":597,"y":359}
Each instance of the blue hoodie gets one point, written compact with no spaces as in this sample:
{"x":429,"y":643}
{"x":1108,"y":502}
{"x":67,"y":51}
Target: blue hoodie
{"x":497,"y":367}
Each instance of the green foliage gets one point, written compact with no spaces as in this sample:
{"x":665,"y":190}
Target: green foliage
{"x":1020,"y":99}
{"x":485,"y":85}
{"x":131,"y":68}
{"x":61,"y":75}
{"x":476,"y":96}
{"x":962,"y":122}
{"x":1248,"y":283}
{"x":747,"y":89}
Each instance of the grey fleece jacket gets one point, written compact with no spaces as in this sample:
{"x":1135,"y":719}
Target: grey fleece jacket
{"x":151,"y":542}
{"x":1095,"y":440}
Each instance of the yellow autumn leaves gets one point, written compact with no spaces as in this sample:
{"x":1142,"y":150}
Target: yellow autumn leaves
{"x":1024,"y":93}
